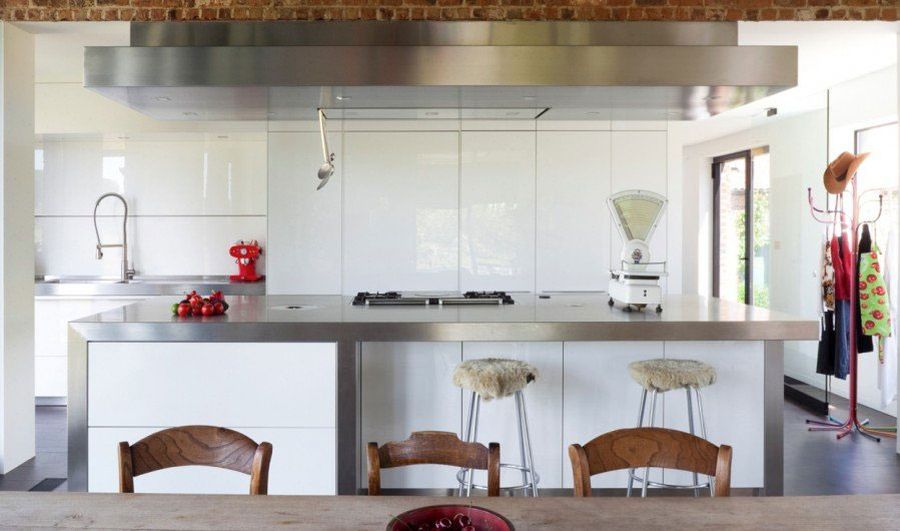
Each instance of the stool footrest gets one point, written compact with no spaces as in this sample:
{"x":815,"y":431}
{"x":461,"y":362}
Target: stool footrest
{"x":639,"y":479}
{"x":535,"y":479}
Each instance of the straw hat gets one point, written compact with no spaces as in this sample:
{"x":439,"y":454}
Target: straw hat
{"x":841,"y":171}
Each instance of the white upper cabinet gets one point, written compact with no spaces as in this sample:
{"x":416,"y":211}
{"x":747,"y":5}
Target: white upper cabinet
{"x":304,"y":253}
{"x":639,"y":161}
{"x":400,"y":211}
{"x":573,"y":225}
{"x":497,"y":211}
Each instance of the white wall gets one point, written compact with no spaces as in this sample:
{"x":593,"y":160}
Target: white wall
{"x":444,"y":205}
{"x":797,"y":147}
{"x":190,"y":195}
{"x":17,"y":263}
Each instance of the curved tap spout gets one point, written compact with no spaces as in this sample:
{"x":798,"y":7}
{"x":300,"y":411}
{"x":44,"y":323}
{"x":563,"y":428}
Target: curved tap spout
{"x":127,"y":273}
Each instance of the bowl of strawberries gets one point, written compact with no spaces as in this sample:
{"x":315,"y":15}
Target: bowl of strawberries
{"x":449,"y":518}
{"x":194,"y":305}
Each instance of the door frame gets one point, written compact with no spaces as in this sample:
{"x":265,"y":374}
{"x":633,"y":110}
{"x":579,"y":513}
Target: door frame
{"x":747,"y":155}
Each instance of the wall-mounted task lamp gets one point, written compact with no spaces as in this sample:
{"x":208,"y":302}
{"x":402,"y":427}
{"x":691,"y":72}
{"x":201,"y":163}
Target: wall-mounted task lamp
{"x":326,"y":170}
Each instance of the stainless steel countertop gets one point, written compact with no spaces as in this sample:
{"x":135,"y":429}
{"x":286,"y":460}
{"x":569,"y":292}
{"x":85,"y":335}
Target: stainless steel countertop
{"x":562,"y":317}
{"x":85,"y":286}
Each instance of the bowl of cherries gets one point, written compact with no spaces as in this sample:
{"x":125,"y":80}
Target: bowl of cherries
{"x":193,"y":305}
{"x":449,"y":518}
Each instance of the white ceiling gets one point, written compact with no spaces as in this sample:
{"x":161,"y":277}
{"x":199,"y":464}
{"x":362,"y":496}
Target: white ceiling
{"x":59,"y":46}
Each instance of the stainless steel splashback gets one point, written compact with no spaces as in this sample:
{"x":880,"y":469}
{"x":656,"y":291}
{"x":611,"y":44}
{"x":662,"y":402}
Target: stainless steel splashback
{"x":566,"y":70}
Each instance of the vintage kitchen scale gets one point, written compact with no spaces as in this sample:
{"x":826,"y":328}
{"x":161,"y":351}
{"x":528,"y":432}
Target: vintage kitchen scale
{"x":635,"y":283}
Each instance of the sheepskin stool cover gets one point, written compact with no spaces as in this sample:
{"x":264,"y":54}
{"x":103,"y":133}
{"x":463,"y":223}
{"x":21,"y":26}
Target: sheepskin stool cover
{"x":494,"y":378}
{"x":666,"y":375}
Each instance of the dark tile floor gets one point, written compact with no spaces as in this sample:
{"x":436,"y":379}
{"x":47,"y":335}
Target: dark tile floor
{"x":814,"y":462}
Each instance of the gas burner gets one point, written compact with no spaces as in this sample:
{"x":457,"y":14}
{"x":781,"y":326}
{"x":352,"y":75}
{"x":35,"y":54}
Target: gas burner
{"x":393,"y":298}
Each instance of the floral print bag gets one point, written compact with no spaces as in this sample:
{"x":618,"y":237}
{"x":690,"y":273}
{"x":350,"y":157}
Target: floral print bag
{"x":874,"y":306}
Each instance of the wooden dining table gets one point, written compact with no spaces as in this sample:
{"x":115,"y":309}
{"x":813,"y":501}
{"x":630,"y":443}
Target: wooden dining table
{"x":175,"y":511}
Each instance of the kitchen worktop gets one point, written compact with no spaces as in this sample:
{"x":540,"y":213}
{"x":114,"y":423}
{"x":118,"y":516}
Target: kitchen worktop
{"x":569,"y":316}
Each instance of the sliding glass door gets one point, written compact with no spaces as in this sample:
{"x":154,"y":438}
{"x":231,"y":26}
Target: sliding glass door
{"x":741,"y":227}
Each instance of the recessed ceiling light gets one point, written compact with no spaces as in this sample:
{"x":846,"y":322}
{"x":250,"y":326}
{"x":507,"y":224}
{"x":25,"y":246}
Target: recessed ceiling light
{"x":163,"y":98}
{"x":190,"y":113}
{"x":123,"y":137}
{"x":528,"y":98}
{"x":343,"y":98}
{"x":431,"y":113}
{"x":222,"y":137}
{"x":593,"y":113}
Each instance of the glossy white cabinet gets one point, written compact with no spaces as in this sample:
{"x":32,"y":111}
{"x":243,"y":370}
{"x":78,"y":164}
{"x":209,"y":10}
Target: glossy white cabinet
{"x":573,"y":224}
{"x":51,"y":329}
{"x":408,"y":387}
{"x":302,"y":463}
{"x":304,"y":254}
{"x":639,"y":161}
{"x":544,"y":405}
{"x":222,"y":384}
{"x":600,"y":396}
{"x":496,"y":210}
{"x":173,"y":174}
{"x":283,"y":393}
{"x":732,"y":406}
{"x":400,"y":211}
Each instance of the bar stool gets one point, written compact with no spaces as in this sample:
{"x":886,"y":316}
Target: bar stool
{"x":662,"y":375}
{"x":490,"y":379}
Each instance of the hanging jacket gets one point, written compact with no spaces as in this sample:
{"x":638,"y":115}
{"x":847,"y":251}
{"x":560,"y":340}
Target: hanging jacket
{"x":840,"y":254}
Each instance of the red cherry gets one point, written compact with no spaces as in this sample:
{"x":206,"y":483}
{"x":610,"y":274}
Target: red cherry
{"x":207,"y":310}
{"x":184,"y":309}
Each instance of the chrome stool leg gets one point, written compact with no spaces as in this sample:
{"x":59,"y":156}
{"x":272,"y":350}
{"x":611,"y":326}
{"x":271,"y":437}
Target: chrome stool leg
{"x":521,"y":439}
{"x":640,"y":423}
{"x":652,"y":419}
{"x":467,"y":435}
{"x":690,"y":416}
{"x":530,"y":454}
{"x":465,"y":487}
{"x":710,"y":479}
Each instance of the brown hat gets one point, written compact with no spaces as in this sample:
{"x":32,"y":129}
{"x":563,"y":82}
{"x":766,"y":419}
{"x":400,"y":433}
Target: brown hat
{"x":841,"y":170}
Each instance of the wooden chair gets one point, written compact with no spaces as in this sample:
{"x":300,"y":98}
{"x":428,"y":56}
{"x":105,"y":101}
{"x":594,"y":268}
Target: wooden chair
{"x":650,"y":447}
{"x":434,"y":448}
{"x":196,"y":445}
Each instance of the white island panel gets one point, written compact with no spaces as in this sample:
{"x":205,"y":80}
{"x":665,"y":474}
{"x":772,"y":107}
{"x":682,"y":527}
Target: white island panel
{"x":600,"y":396}
{"x":408,"y":387}
{"x":733,"y":406}
{"x":220,"y":384}
{"x":544,"y":405}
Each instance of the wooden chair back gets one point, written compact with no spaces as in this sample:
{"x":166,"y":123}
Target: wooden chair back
{"x":650,"y":447}
{"x":196,"y":445}
{"x":434,"y":448}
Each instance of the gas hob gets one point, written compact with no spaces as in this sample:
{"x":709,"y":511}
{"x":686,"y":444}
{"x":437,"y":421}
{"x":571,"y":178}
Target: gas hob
{"x":394,"y":298}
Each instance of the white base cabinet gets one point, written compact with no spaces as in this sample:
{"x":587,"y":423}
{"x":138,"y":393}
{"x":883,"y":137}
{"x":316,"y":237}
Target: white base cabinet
{"x":283,"y":393}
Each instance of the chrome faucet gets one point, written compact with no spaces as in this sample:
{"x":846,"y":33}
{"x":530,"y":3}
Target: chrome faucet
{"x":127,"y":273}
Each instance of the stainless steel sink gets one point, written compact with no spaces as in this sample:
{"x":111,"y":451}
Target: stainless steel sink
{"x":141,"y":286}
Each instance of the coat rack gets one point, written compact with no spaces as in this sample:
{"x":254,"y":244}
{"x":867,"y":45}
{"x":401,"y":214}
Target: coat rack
{"x":853,"y":423}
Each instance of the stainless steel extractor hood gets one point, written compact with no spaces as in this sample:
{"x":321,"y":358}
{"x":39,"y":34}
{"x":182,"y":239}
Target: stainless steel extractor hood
{"x":497,"y":70}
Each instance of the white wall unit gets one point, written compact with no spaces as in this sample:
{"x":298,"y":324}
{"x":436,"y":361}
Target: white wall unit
{"x":639,"y":162}
{"x":302,"y":463}
{"x":496,"y":211}
{"x":544,"y":405}
{"x":400,"y":211}
{"x":573,"y":224}
{"x":600,"y":396}
{"x":304,"y":254}
{"x":241,"y":382}
{"x":732,"y":406}
{"x":51,"y":337}
{"x":408,"y":387}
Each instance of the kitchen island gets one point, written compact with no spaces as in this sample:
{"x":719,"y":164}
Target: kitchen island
{"x":319,"y":377}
